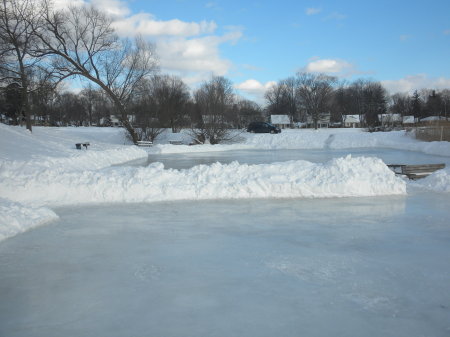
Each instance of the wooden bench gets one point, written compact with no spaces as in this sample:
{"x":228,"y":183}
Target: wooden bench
{"x":78,"y":145}
{"x":416,"y":171}
{"x":175,"y":142}
{"x":144,"y":143}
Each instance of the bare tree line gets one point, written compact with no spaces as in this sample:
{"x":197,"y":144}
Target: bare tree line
{"x":312,"y":95}
{"x":40,"y":47}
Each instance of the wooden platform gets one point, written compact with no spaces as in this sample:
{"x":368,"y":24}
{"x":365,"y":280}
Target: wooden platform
{"x":415,"y":171}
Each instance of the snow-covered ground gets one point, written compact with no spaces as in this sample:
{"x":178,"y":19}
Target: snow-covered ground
{"x":41,"y":170}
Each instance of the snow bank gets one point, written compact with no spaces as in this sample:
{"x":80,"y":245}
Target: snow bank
{"x":46,"y":152}
{"x":318,"y":139}
{"x":342,"y":177}
{"x":22,"y":152}
{"x":16,"y":218}
{"x":43,"y":169}
{"x":438,"y":181}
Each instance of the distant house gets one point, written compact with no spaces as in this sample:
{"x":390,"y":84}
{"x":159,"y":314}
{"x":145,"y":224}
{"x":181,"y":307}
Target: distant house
{"x":110,"y":121}
{"x":408,"y":120}
{"x":431,"y":119}
{"x":351,"y":121}
{"x":323,"y":122}
{"x":282,"y":121}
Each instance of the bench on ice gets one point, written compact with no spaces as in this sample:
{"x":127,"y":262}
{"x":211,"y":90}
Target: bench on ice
{"x":79,"y":145}
{"x":144,"y":143}
{"x":416,"y":171}
{"x":175,"y":142}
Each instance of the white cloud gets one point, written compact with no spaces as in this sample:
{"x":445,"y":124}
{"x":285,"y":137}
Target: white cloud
{"x":416,"y":82}
{"x":187,"y":49}
{"x":146,"y":25}
{"x":313,"y":11}
{"x":254,"y":89}
{"x":335,"y":67}
{"x":195,"y":59}
{"x":62,"y":4}
{"x":115,"y":8}
{"x":336,"y":16}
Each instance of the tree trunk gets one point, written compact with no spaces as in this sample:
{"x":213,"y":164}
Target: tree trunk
{"x":25,"y":102}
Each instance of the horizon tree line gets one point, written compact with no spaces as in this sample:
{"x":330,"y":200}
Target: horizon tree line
{"x":41,"y":47}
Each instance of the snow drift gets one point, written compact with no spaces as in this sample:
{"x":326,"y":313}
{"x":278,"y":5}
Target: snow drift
{"x":17,"y":218}
{"x":342,"y":177}
{"x":26,"y":195}
{"x":43,"y":169}
{"x":438,"y":181}
{"x":318,"y":139}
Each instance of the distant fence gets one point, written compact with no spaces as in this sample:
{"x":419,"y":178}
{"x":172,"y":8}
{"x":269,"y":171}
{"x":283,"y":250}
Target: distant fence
{"x":437,"y":132}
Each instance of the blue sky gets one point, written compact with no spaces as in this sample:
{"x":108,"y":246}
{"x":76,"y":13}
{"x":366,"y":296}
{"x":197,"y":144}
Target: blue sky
{"x":403,"y":44}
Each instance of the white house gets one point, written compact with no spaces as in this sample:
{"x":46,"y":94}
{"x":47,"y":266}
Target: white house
{"x":282,"y":121}
{"x":351,"y":121}
{"x":323,"y":122}
{"x":408,"y":120}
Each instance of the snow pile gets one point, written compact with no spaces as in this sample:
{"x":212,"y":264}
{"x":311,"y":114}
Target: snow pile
{"x":342,"y":177}
{"x":318,"y":139}
{"x":54,"y":148}
{"x":17,"y":218}
{"x":438,"y":181}
{"x":49,"y":152}
{"x":43,"y":169}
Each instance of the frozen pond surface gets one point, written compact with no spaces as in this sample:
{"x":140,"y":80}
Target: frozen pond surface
{"x":389,"y":156}
{"x":331,"y":267}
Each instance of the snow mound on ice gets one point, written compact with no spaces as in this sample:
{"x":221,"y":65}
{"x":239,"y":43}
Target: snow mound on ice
{"x":316,"y":139}
{"x":438,"y":181}
{"x":16,"y":218}
{"x":344,"y":139}
{"x":342,"y":177}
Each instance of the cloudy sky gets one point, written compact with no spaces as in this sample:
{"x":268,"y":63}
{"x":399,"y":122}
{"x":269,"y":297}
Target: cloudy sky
{"x":403,"y":44}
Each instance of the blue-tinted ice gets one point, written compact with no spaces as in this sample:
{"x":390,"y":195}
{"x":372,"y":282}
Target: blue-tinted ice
{"x":333,"y":267}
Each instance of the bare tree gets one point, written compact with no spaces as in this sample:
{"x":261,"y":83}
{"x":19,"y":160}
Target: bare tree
{"x":144,"y":108}
{"x":73,"y":111}
{"x":445,"y":93}
{"x":281,"y":98}
{"x":313,"y":92}
{"x":81,"y":42}
{"x":248,"y":111}
{"x":375,"y":102}
{"x":17,"y":19}
{"x":214,"y":100}
{"x":171,"y":96}
{"x":401,"y":104}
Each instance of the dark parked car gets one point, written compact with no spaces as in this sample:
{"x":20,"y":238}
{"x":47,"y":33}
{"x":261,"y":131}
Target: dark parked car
{"x":262,"y":127}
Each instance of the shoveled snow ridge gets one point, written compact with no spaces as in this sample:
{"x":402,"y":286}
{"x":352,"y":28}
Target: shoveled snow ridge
{"x":16,"y":218}
{"x":438,"y":181}
{"x":342,"y":177}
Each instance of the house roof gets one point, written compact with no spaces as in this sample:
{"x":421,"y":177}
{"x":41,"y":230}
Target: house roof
{"x":432,"y":118}
{"x":280,"y":119}
{"x":408,"y":119}
{"x":351,"y":119}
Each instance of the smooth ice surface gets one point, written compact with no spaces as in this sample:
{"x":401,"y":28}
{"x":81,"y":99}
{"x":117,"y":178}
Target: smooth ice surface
{"x":258,"y":156}
{"x":298,"y":267}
